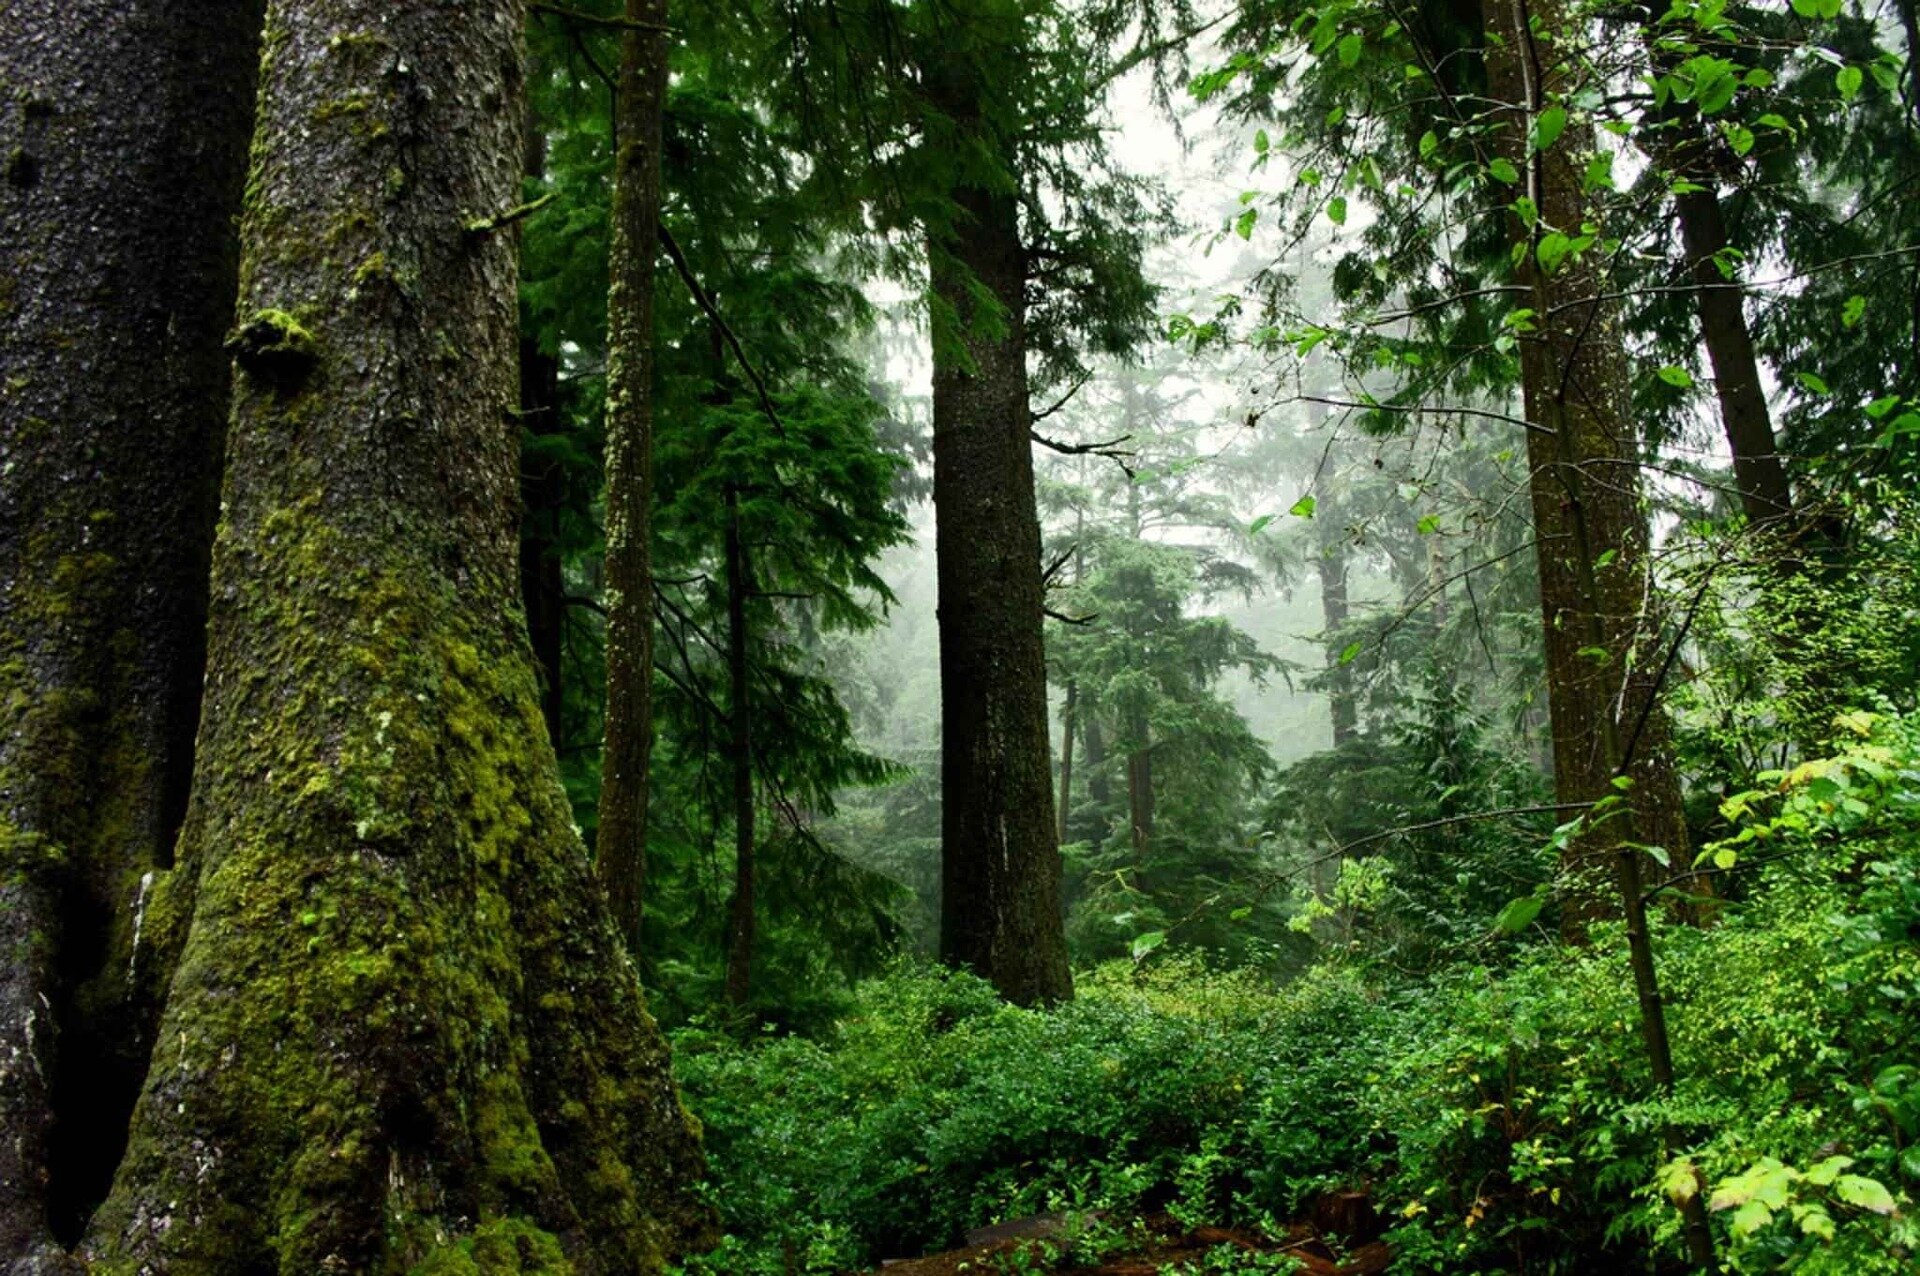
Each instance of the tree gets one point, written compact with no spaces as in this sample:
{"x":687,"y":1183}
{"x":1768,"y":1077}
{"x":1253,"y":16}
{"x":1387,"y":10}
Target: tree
{"x":401,"y":1032}
{"x":620,"y":847}
{"x":125,"y":129}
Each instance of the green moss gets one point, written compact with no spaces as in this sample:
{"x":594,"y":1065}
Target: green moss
{"x":508,"y":1247}
{"x":275,"y":347}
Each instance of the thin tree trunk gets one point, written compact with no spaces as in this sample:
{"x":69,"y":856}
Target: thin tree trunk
{"x":125,"y":129}
{"x":620,"y":845}
{"x":1068,"y":727}
{"x":1584,"y":459}
{"x":402,"y":1033}
{"x":542,"y":490}
{"x":1095,"y":737}
{"x":740,"y":915}
{"x":1000,"y":863}
{"x":1680,"y":143}
{"x":1140,"y":792}
{"x":1334,"y":611}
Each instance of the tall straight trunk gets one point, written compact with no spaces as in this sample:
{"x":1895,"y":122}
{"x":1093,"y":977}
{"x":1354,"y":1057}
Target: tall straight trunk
{"x":1095,"y":737}
{"x":1331,"y":564}
{"x":1000,"y":911}
{"x":1584,"y":460}
{"x":740,"y":918}
{"x":402,"y":1033}
{"x":1140,"y":792}
{"x":620,"y":846}
{"x":125,"y":128}
{"x":543,"y":589}
{"x":1068,"y":727}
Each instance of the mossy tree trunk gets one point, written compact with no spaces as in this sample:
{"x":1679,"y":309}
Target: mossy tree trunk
{"x":1589,"y":515}
{"x":1000,"y":861}
{"x":620,"y":845}
{"x":402,"y":1034}
{"x":124,"y":127}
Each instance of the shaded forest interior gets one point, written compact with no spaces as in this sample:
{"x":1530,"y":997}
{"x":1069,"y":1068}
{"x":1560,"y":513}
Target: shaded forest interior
{"x":1016,"y":636}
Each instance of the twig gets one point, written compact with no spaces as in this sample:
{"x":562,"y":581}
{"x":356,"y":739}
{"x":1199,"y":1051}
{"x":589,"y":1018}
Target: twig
{"x":596,"y":20}
{"x":706,"y":304}
{"x":487,"y":225}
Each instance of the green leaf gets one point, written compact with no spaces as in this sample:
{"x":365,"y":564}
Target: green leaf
{"x":1350,"y":653}
{"x":1552,"y":250}
{"x":1337,"y":210}
{"x":1517,"y":915}
{"x":1302,"y":508}
{"x":1811,"y":383}
{"x":1850,"y":312}
{"x":1259,"y":524}
{"x":1847,"y":80}
{"x":1144,"y":944}
{"x":1548,"y":126}
{"x":1350,"y":48}
{"x":1679,"y":377}
{"x":1504,"y":171}
{"x":1739,"y":138}
{"x":1428,"y":525}
{"x":1243,"y":224}
{"x":1429,"y":142}
{"x":1883,"y":405}
{"x":1868,"y":1194}
{"x":1261,"y":142}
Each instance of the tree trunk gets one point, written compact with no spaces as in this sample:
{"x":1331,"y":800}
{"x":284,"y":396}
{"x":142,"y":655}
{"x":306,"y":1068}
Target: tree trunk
{"x":1332,"y":565}
{"x":125,"y":126}
{"x":621,"y":844}
{"x":1000,"y":864}
{"x":1584,"y":457}
{"x":1681,"y":145}
{"x":1140,"y":793}
{"x":402,"y":1033}
{"x":1068,"y":727}
{"x":543,"y":589}
{"x":740,"y":919}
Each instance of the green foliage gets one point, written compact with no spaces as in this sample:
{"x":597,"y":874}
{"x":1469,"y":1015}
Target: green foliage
{"x":1502,"y":1116}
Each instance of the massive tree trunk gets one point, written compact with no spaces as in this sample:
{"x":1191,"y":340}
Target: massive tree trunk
{"x":125,"y":129}
{"x":1590,"y":528}
{"x":740,"y":916}
{"x":1590,"y":522}
{"x":1000,"y":909}
{"x":401,"y":1034}
{"x":620,"y":846}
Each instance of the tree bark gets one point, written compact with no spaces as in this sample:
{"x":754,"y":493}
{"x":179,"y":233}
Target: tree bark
{"x":740,"y":916}
{"x":125,"y":129}
{"x":402,"y":1034}
{"x":639,"y":105}
{"x":1000,"y":863}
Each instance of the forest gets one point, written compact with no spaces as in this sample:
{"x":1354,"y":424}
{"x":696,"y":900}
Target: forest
{"x":1081,"y":637}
